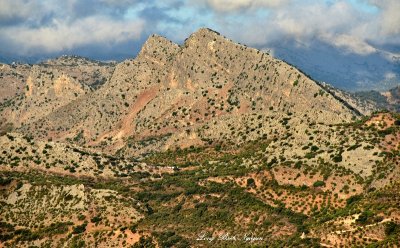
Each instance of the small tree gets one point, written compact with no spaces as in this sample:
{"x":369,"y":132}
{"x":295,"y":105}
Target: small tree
{"x":319,"y":184}
{"x":251,"y":183}
{"x":391,"y":228}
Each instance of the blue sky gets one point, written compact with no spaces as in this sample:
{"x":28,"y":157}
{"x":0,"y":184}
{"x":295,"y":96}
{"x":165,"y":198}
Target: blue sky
{"x":112,"y":29}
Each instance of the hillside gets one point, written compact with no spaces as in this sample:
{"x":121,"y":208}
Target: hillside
{"x":329,"y":192}
{"x":12,"y":80}
{"x":46,"y":87}
{"x":348,"y":71}
{"x":389,"y":100}
{"x":393,"y":98}
{"x":204,"y":91}
{"x":205,"y":144}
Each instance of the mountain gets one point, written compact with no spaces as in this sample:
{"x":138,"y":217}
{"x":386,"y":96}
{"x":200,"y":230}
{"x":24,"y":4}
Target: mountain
{"x":393,"y":98}
{"x":85,"y":71}
{"x":205,"y":144}
{"x":12,"y":81}
{"x":389,"y":100}
{"x":347,"y":70}
{"x":176,"y":96}
{"x":34,"y":91}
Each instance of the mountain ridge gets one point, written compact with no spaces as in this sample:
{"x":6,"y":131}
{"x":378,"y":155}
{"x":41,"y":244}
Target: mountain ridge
{"x":207,"y":136}
{"x":193,"y":79}
{"x":216,"y":77}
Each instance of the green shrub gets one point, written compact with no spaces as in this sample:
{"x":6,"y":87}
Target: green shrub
{"x":145,"y":242}
{"x":353,"y":199}
{"x":391,"y":228}
{"x":251,"y":183}
{"x":96,"y":219}
{"x":319,"y":184}
{"x":5,"y":181}
{"x":365,"y":217}
{"x":338,"y":158}
{"x":80,"y":228}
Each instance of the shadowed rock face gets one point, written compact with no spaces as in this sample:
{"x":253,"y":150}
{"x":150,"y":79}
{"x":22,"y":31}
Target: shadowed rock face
{"x":176,"y":96}
{"x":394,"y":97}
{"x":389,"y":100}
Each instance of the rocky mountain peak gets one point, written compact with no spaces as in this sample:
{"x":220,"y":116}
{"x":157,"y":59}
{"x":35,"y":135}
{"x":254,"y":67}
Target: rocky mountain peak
{"x":196,"y":91}
{"x":202,"y":36}
{"x":158,"y":49}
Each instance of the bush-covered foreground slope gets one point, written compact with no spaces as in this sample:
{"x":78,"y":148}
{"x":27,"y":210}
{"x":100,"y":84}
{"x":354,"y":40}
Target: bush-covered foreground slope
{"x":319,"y":185}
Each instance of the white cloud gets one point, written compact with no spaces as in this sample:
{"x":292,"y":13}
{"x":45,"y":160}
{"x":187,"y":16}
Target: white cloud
{"x":227,"y":5}
{"x":64,"y":36}
{"x":310,"y":20}
{"x":350,"y":43}
{"x":117,"y":2}
{"x":17,"y":9}
{"x":338,"y":23}
{"x":390,"y":76}
{"x":390,"y":17}
{"x":50,"y":25}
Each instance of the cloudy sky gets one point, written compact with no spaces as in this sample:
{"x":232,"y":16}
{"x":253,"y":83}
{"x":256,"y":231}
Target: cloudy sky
{"x":116,"y":29}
